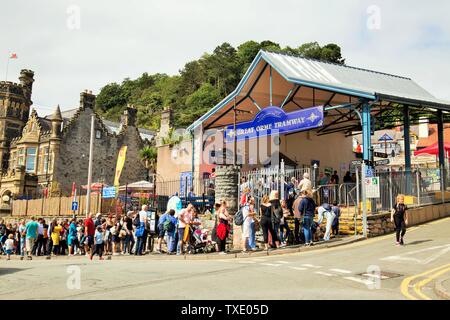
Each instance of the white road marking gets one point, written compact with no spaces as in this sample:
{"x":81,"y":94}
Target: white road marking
{"x":375,"y":276}
{"x":324,"y":274}
{"x":270,"y":264}
{"x":405,"y":256}
{"x":283,"y":262}
{"x":363,"y":281}
{"x":298,"y":268}
{"x":341,"y":271}
{"x":247,"y":262}
{"x":311,"y":266}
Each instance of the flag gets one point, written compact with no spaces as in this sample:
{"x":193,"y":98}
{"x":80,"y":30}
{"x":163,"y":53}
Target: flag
{"x":120,"y":163}
{"x":13,"y":56}
{"x":74,"y":190}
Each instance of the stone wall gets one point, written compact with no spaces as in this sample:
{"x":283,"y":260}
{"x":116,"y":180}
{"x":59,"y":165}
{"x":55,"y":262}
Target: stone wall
{"x":380,"y":224}
{"x":72,"y":163}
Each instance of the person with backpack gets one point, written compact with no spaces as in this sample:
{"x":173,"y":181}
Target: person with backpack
{"x":161,"y":231}
{"x":248,"y":226}
{"x":166,"y":228}
{"x":307,"y":209}
{"x":326,"y":212}
{"x":140,"y":222}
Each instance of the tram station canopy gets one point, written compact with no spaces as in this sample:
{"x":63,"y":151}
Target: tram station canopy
{"x":294,"y":82}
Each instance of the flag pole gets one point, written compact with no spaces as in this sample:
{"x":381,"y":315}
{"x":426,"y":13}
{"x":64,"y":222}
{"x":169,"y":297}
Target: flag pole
{"x":7,"y":67}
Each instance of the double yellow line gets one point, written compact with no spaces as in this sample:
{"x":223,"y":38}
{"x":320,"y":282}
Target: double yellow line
{"x":428,"y":276}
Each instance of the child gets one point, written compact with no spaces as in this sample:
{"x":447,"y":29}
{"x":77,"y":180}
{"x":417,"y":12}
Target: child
{"x":9,"y":246}
{"x":399,"y":216}
{"x":56,"y":236}
{"x":98,"y":242}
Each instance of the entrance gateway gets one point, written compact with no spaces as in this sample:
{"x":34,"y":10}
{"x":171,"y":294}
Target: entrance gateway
{"x":309,"y":110}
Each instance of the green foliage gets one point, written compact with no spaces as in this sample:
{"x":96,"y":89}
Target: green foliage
{"x":149,"y":156}
{"x":200,"y":84}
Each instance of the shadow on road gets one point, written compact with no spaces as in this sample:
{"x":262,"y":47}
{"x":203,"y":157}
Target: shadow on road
{"x":418,"y":242}
{"x":4,"y":271}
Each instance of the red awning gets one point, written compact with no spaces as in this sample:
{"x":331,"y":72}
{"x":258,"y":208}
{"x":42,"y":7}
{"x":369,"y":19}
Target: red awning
{"x":433,"y":150}
{"x":95,"y":186}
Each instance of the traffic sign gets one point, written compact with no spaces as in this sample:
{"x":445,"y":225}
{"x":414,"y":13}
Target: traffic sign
{"x":109,"y":193}
{"x":369,"y":172}
{"x":372,"y":187}
{"x":380,"y":155}
{"x":356,"y":163}
{"x":384,"y":162}
{"x":74,"y":206}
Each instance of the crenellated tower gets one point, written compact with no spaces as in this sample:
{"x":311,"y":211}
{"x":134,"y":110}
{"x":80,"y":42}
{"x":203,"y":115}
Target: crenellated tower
{"x":15,"y":103}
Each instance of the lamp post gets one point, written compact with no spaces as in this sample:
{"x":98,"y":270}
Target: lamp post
{"x":91,"y":156}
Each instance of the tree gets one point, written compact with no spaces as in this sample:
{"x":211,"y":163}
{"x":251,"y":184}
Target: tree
{"x":149,"y":155}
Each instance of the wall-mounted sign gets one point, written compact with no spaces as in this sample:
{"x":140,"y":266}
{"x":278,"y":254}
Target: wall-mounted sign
{"x":273,"y":120}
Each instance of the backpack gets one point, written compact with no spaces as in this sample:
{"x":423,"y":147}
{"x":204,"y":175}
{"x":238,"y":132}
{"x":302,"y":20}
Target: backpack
{"x":277,"y":214}
{"x":137,"y":221}
{"x":239,"y":218}
{"x":168,"y":226}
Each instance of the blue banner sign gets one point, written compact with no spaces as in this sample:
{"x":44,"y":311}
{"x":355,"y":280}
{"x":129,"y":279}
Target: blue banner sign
{"x":273,"y":120}
{"x":109,"y":193}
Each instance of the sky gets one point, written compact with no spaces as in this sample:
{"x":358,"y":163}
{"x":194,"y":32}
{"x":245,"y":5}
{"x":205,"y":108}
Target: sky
{"x":73,"y":45}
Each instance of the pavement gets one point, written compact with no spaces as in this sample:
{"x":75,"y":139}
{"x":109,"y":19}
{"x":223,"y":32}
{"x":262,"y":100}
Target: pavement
{"x":350,"y":269}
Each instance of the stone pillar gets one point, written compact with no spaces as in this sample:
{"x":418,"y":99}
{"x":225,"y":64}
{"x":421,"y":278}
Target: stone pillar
{"x":227,"y":181}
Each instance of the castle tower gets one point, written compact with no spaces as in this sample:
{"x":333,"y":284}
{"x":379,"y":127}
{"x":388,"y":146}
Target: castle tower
{"x":15,"y":102}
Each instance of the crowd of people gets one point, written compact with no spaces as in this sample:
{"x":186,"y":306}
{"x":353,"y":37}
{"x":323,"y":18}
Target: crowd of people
{"x":110,"y":235}
{"x":273,"y":215}
{"x":181,"y":230}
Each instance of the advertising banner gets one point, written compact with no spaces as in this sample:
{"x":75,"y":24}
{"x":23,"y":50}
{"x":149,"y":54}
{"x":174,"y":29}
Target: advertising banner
{"x":120,"y":163}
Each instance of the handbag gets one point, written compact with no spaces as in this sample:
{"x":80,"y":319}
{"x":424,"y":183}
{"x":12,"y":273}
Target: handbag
{"x":186,"y":233}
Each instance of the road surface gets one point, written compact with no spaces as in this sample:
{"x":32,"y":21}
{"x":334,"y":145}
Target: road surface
{"x":371,"y":269}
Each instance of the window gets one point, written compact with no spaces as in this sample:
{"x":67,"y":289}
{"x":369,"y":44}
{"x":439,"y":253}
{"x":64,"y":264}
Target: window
{"x":21,"y":157}
{"x":45,"y":161}
{"x":31,"y":160}
{"x":98,"y":134}
{"x":12,"y":160}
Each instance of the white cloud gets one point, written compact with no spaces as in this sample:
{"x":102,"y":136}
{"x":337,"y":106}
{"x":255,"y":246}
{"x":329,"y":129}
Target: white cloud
{"x":120,"y":39}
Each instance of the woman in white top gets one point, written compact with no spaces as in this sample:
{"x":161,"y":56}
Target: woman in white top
{"x":248,"y":231}
{"x":305,"y":184}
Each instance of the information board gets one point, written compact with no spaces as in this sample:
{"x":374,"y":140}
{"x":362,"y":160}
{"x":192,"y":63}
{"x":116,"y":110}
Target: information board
{"x":372,"y":186}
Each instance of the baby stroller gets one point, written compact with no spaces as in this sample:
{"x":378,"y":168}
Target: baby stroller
{"x":199,"y":241}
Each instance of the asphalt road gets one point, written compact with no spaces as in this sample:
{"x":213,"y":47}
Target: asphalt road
{"x":371,"y":269}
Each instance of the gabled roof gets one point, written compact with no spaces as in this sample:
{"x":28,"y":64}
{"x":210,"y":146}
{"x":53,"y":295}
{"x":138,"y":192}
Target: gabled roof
{"x":342,"y":80}
{"x":113,"y":127}
{"x":347,"y":78}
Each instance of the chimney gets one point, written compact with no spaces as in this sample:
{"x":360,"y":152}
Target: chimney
{"x":26,"y":80}
{"x":87,"y":100}
{"x":129,"y":116}
{"x":423,"y":128}
{"x":166,"y":122}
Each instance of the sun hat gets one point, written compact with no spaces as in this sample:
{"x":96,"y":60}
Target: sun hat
{"x":274,"y":195}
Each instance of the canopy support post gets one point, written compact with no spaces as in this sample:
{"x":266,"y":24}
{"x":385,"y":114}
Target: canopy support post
{"x":441,"y":143}
{"x":271,"y":96}
{"x":407,"y":143}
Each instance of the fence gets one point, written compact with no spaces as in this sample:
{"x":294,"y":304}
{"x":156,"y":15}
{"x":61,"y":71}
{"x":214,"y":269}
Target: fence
{"x":60,"y":206}
{"x":261,"y":182}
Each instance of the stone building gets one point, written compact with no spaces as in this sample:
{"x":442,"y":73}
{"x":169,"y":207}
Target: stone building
{"x":48,"y":154}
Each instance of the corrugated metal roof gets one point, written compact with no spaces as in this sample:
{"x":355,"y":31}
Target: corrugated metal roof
{"x":351,"y":79}
{"x":337,"y":78}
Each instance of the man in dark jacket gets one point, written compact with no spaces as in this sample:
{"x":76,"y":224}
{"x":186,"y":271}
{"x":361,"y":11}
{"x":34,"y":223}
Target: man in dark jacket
{"x":307,"y":209}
